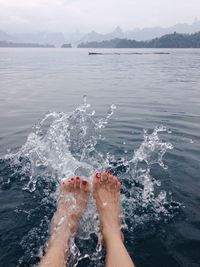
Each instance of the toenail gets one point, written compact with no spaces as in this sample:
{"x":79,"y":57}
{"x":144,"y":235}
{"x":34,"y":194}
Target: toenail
{"x":98,"y":175}
{"x":77,"y":177}
{"x":72,"y":179}
{"x":84,"y":182}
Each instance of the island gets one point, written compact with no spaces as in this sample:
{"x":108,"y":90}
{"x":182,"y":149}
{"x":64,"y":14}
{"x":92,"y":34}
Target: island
{"x":66,"y":46}
{"x":24,"y":45}
{"x":175,"y":40}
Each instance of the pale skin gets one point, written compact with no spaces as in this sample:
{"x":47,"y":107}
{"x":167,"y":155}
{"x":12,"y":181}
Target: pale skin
{"x":71,"y":205}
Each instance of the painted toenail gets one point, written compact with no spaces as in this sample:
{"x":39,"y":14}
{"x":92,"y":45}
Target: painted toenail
{"x":84,"y":182}
{"x":77,"y":177}
{"x":72,"y":179}
{"x":98,"y":175}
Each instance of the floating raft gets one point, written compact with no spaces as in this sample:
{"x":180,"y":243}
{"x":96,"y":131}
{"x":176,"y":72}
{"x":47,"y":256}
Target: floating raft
{"x":129,"y":53}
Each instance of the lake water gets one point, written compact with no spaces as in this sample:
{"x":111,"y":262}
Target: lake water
{"x":41,"y":97}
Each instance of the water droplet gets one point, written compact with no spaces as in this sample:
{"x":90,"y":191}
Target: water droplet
{"x":85,"y":99}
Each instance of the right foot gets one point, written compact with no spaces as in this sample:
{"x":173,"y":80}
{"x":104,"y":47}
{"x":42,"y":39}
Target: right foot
{"x":106,"y":192}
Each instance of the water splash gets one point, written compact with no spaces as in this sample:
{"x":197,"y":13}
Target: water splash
{"x":63,"y":145}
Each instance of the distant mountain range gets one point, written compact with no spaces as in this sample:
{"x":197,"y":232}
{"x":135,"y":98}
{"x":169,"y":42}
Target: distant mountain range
{"x":141,"y":34}
{"x":42,"y":38}
{"x":175,"y":40}
{"x":58,"y":38}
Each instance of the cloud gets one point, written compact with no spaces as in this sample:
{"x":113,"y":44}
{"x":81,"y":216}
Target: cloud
{"x":101,"y":15}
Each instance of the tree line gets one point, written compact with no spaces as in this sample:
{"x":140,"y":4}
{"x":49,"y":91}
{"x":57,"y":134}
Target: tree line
{"x":175,"y":40}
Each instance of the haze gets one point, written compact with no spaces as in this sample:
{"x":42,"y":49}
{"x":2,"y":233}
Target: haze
{"x":100,"y":15}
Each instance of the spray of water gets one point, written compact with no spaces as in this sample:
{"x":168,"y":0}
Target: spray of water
{"x":64,"y":145}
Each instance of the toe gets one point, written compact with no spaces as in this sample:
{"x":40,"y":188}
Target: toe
{"x":62,"y":189}
{"x":77,"y":179}
{"x":96,"y":179}
{"x":98,"y":176}
{"x":96,"y":183}
{"x":110,"y":177}
{"x":105,"y":176}
{"x":72,"y":184}
{"x":117,"y":183}
{"x":114,"y":181}
{"x":63,"y":184}
{"x":85,"y":185}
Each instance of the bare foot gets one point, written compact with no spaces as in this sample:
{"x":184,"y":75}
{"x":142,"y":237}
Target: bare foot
{"x":106,"y":189}
{"x":72,"y":201}
{"x":71,"y":204}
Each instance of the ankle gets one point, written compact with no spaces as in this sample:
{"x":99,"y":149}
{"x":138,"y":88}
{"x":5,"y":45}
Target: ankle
{"x":112,"y":233}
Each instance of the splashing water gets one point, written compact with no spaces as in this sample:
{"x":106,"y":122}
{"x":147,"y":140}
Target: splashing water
{"x":64,"y":145}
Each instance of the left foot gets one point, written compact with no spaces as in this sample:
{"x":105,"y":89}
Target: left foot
{"x":72,"y":202}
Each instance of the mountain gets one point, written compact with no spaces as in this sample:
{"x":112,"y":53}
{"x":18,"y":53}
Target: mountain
{"x":55,"y":38}
{"x":150,"y":33}
{"x":141,"y":34}
{"x":94,"y":36}
{"x":75,"y":38}
{"x":5,"y":37}
{"x":175,"y":40}
{"x":42,"y":38}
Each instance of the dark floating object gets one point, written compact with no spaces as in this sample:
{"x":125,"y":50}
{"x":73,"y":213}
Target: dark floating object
{"x":93,"y":53}
{"x":129,"y":53}
{"x":66,"y":46}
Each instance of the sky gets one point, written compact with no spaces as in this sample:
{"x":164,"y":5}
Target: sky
{"x":98,"y":15}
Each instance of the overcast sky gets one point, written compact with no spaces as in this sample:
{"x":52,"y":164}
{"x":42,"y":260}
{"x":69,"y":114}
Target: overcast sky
{"x":99,"y":15}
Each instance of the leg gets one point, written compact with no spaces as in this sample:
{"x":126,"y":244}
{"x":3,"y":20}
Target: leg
{"x":106,"y":189}
{"x":71,"y":203}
